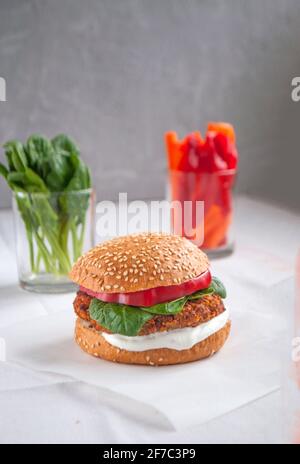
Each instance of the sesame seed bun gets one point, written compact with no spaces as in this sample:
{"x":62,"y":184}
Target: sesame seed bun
{"x":92,"y":342}
{"x":139,"y":262}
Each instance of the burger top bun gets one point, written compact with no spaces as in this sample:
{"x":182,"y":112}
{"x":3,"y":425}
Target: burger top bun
{"x":139,"y":262}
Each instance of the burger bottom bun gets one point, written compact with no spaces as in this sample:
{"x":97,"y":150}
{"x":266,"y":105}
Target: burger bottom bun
{"x":93,"y":343}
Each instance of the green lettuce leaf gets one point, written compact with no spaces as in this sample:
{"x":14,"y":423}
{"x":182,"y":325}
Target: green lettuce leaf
{"x":201,"y":293}
{"x":218,"y":287}
{"x":118,"y":318}
{"x":171,"y":307}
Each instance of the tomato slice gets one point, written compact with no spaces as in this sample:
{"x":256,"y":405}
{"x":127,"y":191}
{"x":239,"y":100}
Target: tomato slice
{"x":153,"y":296}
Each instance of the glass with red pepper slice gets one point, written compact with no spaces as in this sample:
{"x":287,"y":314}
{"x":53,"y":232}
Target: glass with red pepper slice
{"x":204,"y":170}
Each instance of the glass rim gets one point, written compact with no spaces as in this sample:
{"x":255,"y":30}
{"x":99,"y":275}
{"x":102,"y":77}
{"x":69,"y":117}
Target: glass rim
{"x":223,"y":172}
{"x":50,"y":194}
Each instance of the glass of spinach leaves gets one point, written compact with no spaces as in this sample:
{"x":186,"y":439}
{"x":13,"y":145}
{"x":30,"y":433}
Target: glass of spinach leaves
{"x":54,"y":209}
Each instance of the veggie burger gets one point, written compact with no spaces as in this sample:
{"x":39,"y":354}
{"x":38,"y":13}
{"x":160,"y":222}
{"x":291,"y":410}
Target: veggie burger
{"x":149,"y":299}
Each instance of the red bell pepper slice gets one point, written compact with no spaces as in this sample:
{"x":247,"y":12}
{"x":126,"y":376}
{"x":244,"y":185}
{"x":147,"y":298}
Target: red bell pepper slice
{"x":222,"y":128}
{"x":153,"y":296}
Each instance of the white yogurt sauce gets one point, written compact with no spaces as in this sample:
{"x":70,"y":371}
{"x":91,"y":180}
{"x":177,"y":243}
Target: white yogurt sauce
{"x":179,"y":339}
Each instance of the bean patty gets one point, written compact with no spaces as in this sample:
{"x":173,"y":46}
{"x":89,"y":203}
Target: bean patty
{"x":193,"y":313}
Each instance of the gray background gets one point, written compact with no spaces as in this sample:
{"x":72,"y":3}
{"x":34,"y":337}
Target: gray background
{"x":116,"y":74}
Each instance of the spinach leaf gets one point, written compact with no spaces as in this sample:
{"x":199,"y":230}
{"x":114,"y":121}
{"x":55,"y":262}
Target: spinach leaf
{"x":175,"y":306}
{"x":60,"y":172}
{"x":71,"y":204}
{"x":16,"y":155}
{"x":39,"y":151}
{"x":28,"y":180}
{"x":17,"y":178}
{"x":31,"y":178}
{"x":171,"y":307}
{"x":53,"y":223}
{"x":63,"y":143}
{"x":201,"y":293}
{"x":8,"y":153}
{"x":61,"y":163}
{"x":118,"y":318}
{"x":3,"y":171}
{"x":218,"y":287}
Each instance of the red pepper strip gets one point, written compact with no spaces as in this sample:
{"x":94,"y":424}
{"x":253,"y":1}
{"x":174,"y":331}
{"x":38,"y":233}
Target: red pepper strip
{"x":173,"y":150}
{"x":222,"y":128}
{"x":216,"y":226}
{"x":226,"y":150}
{"x":153,"y":296}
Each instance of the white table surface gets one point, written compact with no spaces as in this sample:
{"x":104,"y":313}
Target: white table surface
{"x":44,"y":407}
